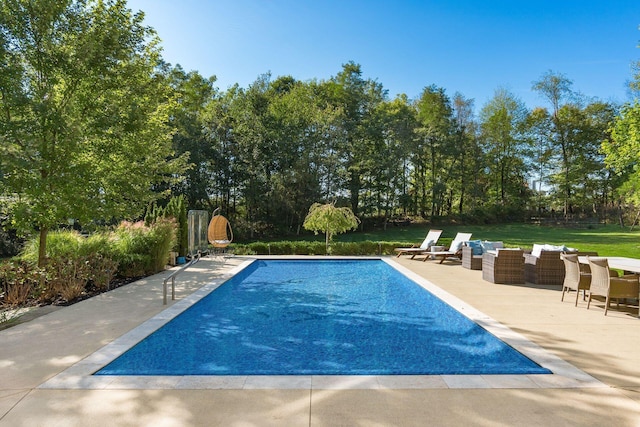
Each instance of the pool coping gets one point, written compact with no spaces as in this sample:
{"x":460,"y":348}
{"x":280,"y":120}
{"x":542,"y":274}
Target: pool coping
{"x":80,"y":375}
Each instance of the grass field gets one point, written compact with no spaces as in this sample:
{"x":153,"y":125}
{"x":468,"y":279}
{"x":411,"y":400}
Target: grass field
{"x":607,"y":240}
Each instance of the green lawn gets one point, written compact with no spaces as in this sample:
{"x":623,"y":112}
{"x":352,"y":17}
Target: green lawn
{"x":607,"y":240}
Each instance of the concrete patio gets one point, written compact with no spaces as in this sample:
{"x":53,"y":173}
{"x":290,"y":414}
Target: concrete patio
{"x":607,"y":348}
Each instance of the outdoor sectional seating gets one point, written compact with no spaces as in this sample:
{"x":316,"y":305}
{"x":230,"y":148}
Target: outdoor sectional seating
{"x":543,"y":266}
{"x":470,"y":260}
{"x":505,"y":266}
{"x":473,"y":250}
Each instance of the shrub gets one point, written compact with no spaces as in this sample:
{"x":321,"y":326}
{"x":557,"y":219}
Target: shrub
{"x":388,"y":248}
{"x":67,"y":277}
{"x":19,"y":281}
{"x":259,"y":248}
{"x":141,"y":250}
{"x":98,"y":244}
{"x":282,"y":248}
{"x":162,"y":237}
{"x":345,"y":248}
{"x":60,"y":244}
{"x":317,"y":248}
{"x":177,"y":209}
{"x":132,"y":265}
{"x":309,"y":248}
{"x":101,"y":270}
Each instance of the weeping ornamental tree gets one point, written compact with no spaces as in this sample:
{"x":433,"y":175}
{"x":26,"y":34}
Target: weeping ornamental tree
{"x":330,"y":220}
{"x":84,"y":112}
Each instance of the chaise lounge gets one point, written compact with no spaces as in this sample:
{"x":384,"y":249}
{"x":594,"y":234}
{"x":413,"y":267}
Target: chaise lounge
{"x":430,"y":240}
{"x":454,"y":251}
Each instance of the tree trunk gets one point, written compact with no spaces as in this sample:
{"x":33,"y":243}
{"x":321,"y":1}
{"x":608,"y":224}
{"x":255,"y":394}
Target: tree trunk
{"x":42,"y":247}
{"x":635,"y":221}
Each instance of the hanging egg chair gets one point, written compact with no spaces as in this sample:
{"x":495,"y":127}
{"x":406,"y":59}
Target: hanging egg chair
{"x":219,"y":231}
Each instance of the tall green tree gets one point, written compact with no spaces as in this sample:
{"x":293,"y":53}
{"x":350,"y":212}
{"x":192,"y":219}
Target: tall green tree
{"x":502,"y":122}
{"x":623,"y":150}
{"x":357,"y":98}
{"x":556,"y":89}
{"x":299,"y":148}
{"x":437,"y":152}
{"x":193,"y":94}
{"x":469,"y":152}
{"x":224,"y":168}
{"x":574,"y":133}
{"x":394,"y":155}
{"x":84,"y":112}
{"x":254,"y":140}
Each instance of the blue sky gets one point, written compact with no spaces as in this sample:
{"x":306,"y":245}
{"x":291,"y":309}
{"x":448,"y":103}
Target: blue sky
{"x":467,"y":46}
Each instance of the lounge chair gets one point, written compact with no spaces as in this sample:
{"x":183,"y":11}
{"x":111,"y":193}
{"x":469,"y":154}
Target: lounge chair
{"x":574,"y":278}
{"x":430,"y":240}
{"x":455,"y":250}
{"x":602,"y":284}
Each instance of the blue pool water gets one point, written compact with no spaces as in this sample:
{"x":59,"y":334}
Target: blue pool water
{"x":320,"y":317}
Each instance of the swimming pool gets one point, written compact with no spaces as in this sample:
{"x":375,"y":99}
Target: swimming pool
{"x":321,"y":317}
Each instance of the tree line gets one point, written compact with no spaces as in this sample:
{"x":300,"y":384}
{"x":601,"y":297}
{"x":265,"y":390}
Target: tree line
{"x":267,"y":152}
{"x":95,"y":127}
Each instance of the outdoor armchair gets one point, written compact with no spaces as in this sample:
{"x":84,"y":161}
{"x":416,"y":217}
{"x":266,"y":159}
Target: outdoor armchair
{"x":504,"y":266}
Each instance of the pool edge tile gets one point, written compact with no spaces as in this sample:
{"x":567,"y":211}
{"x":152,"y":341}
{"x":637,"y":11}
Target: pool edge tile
{"x":398,"y":382}
{"x":284,"y":382}
{"x":345,"y":382}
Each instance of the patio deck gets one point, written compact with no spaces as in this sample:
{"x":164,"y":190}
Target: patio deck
{"x":607,"y":348}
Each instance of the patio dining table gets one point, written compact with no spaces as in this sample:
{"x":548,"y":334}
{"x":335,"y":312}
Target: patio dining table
{"x":628,"y":265}
{"x":631,"y":265}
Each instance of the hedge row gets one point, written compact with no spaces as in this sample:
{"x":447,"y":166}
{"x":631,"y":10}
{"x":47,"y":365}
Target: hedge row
{"x":316,"y":248}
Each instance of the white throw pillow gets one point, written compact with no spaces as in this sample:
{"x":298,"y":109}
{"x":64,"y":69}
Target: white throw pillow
{"x":537,"y":249}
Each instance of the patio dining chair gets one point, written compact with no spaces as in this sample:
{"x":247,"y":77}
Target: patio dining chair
{"x":602,"y":284}
{"x":574,"y":278}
